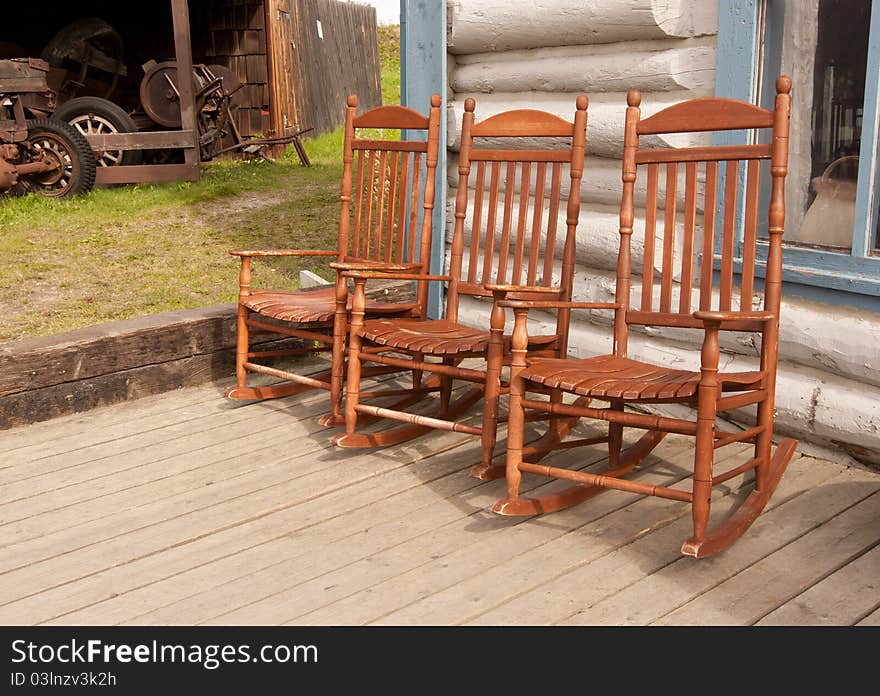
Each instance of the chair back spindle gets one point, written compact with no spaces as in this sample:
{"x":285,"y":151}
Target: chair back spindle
{"x":699,"y":250}
{"x":512,"y":213}
{"x":381,"y":187}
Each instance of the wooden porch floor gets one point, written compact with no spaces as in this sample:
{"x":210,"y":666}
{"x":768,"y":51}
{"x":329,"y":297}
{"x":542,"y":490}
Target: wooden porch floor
{"x":185,"y":508}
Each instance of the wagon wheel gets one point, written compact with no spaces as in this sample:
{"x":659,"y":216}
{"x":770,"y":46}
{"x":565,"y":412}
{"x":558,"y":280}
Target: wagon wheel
{"x":96,"y":116}
{"x":59,"y":143}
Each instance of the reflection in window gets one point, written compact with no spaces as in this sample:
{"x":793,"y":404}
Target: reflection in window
{"x":838,"y":96}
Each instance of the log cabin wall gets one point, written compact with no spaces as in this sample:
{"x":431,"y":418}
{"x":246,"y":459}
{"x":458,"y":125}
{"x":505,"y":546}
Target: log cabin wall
{"x":518,"y":54}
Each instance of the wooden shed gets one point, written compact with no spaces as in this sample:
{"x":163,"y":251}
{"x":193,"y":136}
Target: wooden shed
{"x":296,"y":59}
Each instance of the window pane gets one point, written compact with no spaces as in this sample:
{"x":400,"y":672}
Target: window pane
{"x":838,"y":95}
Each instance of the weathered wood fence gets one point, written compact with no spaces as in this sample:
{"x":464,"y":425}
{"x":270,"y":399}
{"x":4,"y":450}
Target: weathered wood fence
{"x":336,"y":53}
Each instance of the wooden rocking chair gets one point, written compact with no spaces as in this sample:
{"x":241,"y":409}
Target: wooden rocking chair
{"x":619,"y":380}
{"x":388,"y":193}
{"x":519,"y":260}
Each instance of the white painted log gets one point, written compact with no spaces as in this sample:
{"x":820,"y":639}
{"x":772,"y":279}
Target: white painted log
{"x":598,"y":233}
{"x":307,"y":280}
{"x":650,"y":66}
{"x":842,"y":340}
{"x":605,"y":118}
{"x":601,"y":183}
{"x":845,"y":343}
{"x":815,"y":405}
{"x":499,"y":25}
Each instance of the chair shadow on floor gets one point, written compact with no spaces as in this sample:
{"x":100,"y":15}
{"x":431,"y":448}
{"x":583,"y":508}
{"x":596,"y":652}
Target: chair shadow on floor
{"x":441,"y":463}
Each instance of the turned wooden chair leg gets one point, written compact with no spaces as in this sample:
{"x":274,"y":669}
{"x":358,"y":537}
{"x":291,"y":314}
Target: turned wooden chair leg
{"x":516,"y":418}
{"x":353,"y":387}
{"x":615,"y":437}
{"x":242,"y":336}
{"x":556,"y":425}
{"x":704,"y":449}
{"x":353,"y":381}
{"x":445,"y":389}
{"x":492,"y":391}
{"x":241,"y":348}
{"x":702,"y":484}
{"x":763,"y":444}
{"x":417,"y":373}
{"x":338,"y":366}
{"x":515,"y":437}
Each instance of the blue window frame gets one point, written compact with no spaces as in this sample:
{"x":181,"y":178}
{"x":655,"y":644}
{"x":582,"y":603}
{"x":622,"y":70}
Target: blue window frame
{"x":750,"y":47}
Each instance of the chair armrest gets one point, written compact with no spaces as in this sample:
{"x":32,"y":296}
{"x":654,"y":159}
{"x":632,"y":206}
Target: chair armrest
{"x":374,"y":266}
{"x":491,"y":287}
{"x":710,"y":315}
{"x":560,"y":304}
{"x":358,"y":275}
{"x":710,"y":354}
{"x":520,"y":337}
{"x":284,"y":252}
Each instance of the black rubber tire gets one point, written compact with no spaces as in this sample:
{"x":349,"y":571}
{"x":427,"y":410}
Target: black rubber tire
{"x":83,"y":30}
{"x":106,"y":109}
{"x":75,"y":146}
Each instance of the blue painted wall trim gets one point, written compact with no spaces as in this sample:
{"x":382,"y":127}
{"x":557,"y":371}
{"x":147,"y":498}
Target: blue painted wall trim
{"x":736,"y":75}
{"x":865,"y":220}
{"x":423,"y":73}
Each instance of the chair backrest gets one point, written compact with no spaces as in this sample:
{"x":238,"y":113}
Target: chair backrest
{"x":383,"y":191}
{"x":513,"y":220}
{"x":658,"y":305}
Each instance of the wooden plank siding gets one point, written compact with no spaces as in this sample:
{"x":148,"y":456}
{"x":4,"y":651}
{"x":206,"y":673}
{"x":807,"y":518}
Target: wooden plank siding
{"x":294,"y":78}
{"x":233,"y":34}
{"x":340,"y":59}
{"x":184,"y":508}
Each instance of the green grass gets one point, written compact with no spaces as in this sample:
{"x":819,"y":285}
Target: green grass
{"x":389,"y":57}
{"x":134,"y":250}
{"x":119,"y":253}
{"x":222,"y":179}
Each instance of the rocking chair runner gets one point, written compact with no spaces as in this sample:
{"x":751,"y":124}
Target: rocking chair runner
{"x":618,"y":380}
{"x":518,"y":260}
{"x":388,"y":192}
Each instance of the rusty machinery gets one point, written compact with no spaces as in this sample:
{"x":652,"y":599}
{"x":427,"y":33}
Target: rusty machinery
{"x":38,"y":153}
{"x":85,"y":63}
{"x":216,"y":90}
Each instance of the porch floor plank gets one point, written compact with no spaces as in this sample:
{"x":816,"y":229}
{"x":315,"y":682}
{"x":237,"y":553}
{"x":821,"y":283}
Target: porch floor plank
{"x":642,"y":595}
{"x":764,"y":586}
{"x":185,"y":508}
{"x":843,"y":598}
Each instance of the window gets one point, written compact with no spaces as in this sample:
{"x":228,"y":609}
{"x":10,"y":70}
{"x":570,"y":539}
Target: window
{"x":831,"y":49}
